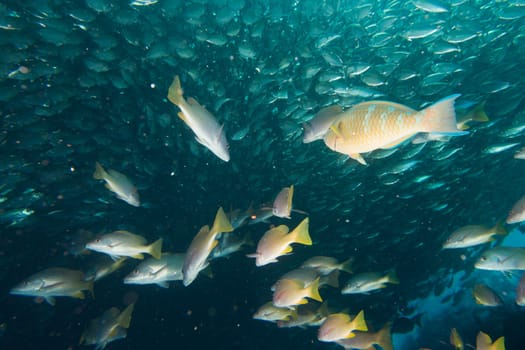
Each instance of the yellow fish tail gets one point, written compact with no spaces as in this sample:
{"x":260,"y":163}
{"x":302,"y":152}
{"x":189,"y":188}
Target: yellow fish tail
{"x":440,"y":117}
{"x":155,"y":249}
{"x":359,"y":323}
{"x":99,"y":173}
{"x":313,"y":290}
{"x":346,"y":265}
{"x":175,"y":92}
{"x":499,"y":344}
{"x":221,"y":223}
{"x":124,"y":318}
{"x":391,"y":277}
{"x":499,"y":229}
{"x":300,"y":233}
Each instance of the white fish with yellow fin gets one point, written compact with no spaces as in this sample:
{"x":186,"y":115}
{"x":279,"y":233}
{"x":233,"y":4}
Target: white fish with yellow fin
{"x":157,"y":271}
{"x":341,"y":326}
{"x":201,"y":246}
{"x":124,"y":243}
{"x":207,"y":130}
{"x":282,"y":204}
{"x":110,"y":326}
{"x":119,"y":184}
{"x":455,"y":339}
{"x":372,"y":125}
{"x":290,"y":292}
{"x":276,"y":242}
{"x":367,"y":340}
{"x":472,"y":235}
{"x":369,"y":281}
{"x":54,"y":282}
{"x":502,"y":259}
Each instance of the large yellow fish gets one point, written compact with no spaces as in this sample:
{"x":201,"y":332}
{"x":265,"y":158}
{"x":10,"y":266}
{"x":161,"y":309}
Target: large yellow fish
{"x":372,"y":125}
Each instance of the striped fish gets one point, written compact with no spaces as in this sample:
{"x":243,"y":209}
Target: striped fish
{"x":372,"y":125}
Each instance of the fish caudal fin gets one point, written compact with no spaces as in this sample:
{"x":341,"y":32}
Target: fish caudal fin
{"x":391,"y":277}
{"x":99,"y":173}
{"x":313,"y":290}
{"x":124,"y":318}
{"x":155,"y":249}
{"x":300,"y":233}
{"x":499,"y":229}
{"x":175,"y":92}
{"x":499,"y":344}
{"x":346,"y":265}
{"x":440,"y":118}
{"x":332,"y":279}
{"x":483,"y":341}
{"x":221,"y":223}
{"x":90,"y":288}
{"x":359,"y":323}
{"x":384,"y":337}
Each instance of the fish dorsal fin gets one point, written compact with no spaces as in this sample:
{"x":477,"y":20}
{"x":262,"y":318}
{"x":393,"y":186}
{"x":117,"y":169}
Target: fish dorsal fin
{"x":116,"y":175}
{"x":193,"y":102}
{"x":219,"y":134}
{"x":385,"y":104}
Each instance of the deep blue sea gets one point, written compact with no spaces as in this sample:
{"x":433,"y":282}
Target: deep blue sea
{"x":86,"y":81}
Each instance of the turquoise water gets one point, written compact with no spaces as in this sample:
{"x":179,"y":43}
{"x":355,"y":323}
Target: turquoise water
{"x":87,"y":81}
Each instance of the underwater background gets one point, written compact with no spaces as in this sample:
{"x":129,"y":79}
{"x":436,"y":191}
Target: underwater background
{"x":86,"y":81}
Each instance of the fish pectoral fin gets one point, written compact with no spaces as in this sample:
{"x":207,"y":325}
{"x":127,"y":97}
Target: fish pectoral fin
{"x":219,"y":134}
{"x":358,"y":157}
{"x":288,"y":250}
{"x":50,"y":300}
{"x":138,"y":256}
{"x":163,"y":284}
{"x":78,"y":295}
{"x":337,"y":131}
{"x":193,"y":102}
{"x":202,"y":142}
{"x":350,"y":335}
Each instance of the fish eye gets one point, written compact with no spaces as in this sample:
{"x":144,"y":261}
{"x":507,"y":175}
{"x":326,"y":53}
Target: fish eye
{"x":483,"y":258}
